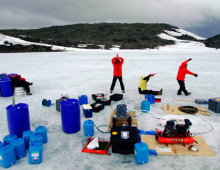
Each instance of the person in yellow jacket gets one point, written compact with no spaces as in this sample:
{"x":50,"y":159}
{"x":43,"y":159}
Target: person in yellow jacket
{"x":143,"y":86}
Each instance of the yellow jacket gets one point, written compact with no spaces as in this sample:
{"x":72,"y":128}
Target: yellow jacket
{"x":143,"y":82}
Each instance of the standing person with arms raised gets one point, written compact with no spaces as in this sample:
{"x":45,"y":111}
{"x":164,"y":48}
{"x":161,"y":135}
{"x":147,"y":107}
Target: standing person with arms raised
{"x":181,"y":77}
{"x":117,"y":73}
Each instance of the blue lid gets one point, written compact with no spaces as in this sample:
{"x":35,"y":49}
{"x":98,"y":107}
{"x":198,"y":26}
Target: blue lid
{"x":88,"y":122}
{"x":40,"y":128}
{"x":19,"y":106}
{"x":69,"y":102}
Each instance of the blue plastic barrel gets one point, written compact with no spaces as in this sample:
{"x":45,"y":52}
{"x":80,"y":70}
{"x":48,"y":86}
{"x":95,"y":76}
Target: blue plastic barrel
{"x":18,"y":119}
{"x":19,"y":145}
{"x":35,"y":153}
{"x":141,"y":153}
{"x":145,"y":106}
{"x":70,"y":115}
{"x":8,"y":138}
{"x":42,"y":130}
{"x":88,"y":127}
{"x":2,"y":75}
{"x":8,"y":157}
{"x":26,"y":136}
{"x":5,"y":87}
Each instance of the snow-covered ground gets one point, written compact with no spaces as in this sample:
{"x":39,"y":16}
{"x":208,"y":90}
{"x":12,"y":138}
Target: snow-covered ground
{"x":90,"y":71}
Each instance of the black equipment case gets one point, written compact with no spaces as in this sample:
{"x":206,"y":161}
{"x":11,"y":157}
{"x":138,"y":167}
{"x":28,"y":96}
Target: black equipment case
{"x":98,"y":97}
{"x":116,"y":97}
{"x":123,"y":139}
{"x":97,"y":107}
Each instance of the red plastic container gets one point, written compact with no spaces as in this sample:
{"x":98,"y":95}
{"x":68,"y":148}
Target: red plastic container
{"x":97,"y":151}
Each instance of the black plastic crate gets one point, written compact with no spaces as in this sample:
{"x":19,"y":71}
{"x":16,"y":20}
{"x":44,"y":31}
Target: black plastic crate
{"x":98,"y":97}
{"x":123,"y":139}
{"x":116,"y":97}
{"x":97,"y":107}
{"x":214,"y":105}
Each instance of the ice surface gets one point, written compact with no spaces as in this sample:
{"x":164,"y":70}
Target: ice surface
{"x":85,"y":72}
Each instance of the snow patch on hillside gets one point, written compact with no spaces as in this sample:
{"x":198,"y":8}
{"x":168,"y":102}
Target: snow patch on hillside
{"x":181,"y":31}
{"x":16,"y":41}
{"x":182,"y":44}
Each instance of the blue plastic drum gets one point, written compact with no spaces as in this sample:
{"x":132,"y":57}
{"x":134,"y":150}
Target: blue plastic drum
{"x":70,"y":115}
{"x":145,"y":106}
{"x":42,"y":130}
{"x":8,"y":138}
{"x":26,"y":136}
{"x":5,"y":87}
{"x":35,"y":153}
{"x":19,"y":145}
{"x":83,"y":99}
{"x":141,"y":153}
{"x":88,"y":127}
{"x":18,"y":119}
{"x":8,"y":157}
{"x":150,"y":98}
{"x":2,"y":75}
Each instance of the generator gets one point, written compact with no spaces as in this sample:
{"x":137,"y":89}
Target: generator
{"x":121,"y":117}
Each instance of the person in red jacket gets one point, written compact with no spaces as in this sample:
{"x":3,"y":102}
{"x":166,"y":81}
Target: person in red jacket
{"x":181,"y":77}
{"x":18,"y":81}
{"x":117,"y":64}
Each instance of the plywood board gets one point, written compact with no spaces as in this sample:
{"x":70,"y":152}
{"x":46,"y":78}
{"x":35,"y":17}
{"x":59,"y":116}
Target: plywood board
{"x":133,"y":119}
{"x":170,"y":109}
{"x":178,"y":149}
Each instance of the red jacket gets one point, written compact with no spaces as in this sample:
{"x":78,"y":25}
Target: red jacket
{"x":183,"y":71}
{"x":117,"y":66}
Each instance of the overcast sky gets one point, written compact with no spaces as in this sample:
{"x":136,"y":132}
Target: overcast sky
{"x":199,"y":16}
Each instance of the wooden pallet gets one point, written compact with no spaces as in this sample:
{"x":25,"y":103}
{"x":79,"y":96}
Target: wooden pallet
{"x":177,"y":148}
{"x":133,"y":119}
{"x":170,"y":109}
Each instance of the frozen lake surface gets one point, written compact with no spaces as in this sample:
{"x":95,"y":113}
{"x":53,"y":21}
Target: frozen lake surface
{"x":85,"y":72}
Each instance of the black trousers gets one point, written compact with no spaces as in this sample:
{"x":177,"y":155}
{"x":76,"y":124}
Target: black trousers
{"x":147,"y":91}
{"x":182,"y":87}
{"x":24,"y":84}
{"x":114,"y":81}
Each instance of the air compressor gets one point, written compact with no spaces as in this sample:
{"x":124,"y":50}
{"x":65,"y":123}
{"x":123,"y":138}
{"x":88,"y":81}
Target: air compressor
{"x":175,"y":131}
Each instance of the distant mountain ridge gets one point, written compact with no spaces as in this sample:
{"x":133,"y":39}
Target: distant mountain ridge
{"x":97,"y":36}
{"x":213,"y":42}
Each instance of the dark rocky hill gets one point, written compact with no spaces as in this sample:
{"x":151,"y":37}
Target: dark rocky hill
{"x":91,"y":36}
{"x":213,"y":42}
